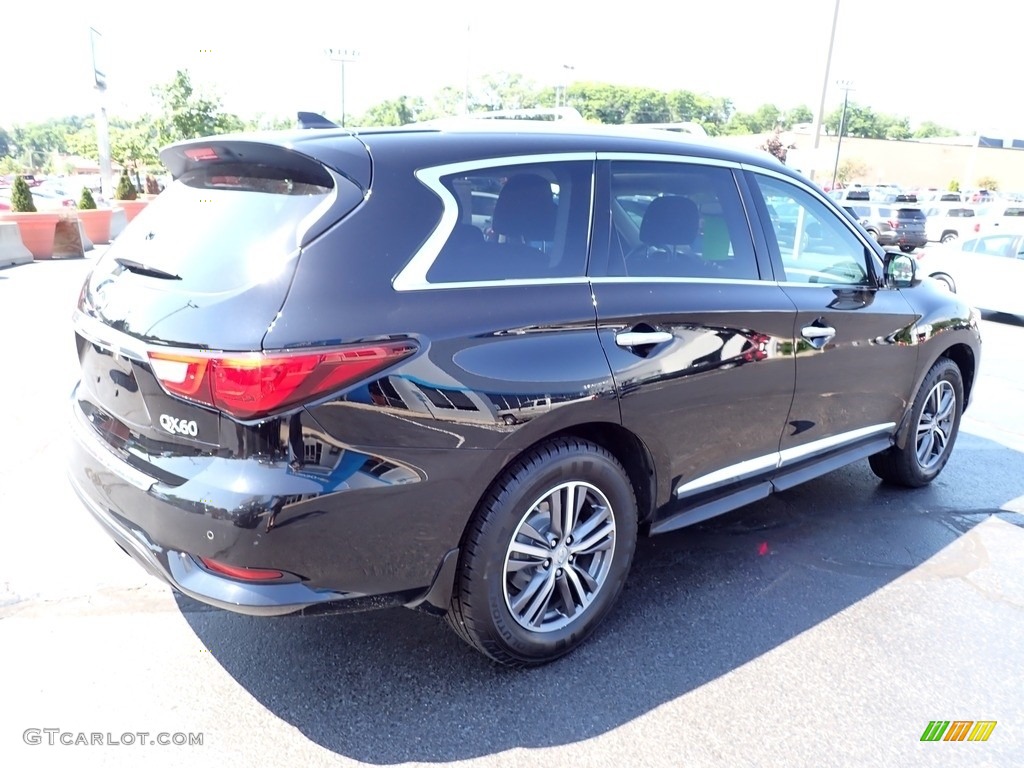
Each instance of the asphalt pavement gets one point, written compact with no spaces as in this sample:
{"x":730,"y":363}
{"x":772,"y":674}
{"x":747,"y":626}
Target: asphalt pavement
{"x":827,"y":625}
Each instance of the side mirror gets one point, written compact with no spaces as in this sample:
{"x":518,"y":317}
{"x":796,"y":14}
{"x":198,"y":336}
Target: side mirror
{"x":900,"y":270}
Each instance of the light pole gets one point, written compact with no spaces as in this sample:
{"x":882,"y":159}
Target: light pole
{"x":820,"y":114}
{"x":560,"y":90}
{"x":847,"y":86}
{"x":102,"y":129}
{"x":343,"y":55}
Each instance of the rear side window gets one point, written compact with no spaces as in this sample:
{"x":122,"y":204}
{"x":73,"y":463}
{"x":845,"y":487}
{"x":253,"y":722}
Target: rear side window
{"x":517,"y":222}
{"x":674,"y":219}
{"x":226,"y":225}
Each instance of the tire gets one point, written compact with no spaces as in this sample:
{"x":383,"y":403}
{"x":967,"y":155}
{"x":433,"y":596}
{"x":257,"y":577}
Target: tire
{"x":522,"y":610}
{"x":948,"y":237}
{"x":935,"y":422}
{"x":946,"y":281}
{"x":907,"y":248}
{"x":874,"y":234}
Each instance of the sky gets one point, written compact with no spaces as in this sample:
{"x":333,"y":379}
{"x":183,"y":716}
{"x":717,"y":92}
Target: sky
{"x":924,"y":59}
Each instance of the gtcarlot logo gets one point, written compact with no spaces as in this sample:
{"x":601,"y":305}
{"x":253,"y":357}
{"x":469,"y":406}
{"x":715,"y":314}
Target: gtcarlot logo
{"x":56,"y":736}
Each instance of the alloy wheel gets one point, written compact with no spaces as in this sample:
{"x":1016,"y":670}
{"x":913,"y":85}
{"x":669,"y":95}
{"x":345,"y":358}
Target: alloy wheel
{"x":559,"y":557}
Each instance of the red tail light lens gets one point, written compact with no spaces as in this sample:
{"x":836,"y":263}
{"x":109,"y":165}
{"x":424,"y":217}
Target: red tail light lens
{"x":241,"y":573}
{"x":201,"y":153}
{"x":895,"y":224}
{"x":252,"y":385}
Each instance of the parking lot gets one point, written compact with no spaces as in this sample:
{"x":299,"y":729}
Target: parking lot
{"x":827,"y":625}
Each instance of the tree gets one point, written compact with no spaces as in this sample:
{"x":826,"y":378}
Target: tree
{"x":21,"y":197}
{"x":797,"y":115}
{"x":400,"y":111}
{"x":928,"y":130}
{"x":989,"y":183}
{"x":186,"y":114}
{"x":5,"y":143}
{"x":125,"y":189}
{"x":954,"y":186}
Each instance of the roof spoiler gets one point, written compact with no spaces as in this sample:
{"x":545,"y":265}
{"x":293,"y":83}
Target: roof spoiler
{"x":313,"y":120}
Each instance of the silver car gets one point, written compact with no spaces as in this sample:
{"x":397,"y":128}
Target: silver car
{"x":987,"y":269}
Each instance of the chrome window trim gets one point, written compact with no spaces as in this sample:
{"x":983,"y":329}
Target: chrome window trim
{"x":655,"y":157}
{"x":413,"y":276}
{"x":779,"y":459}
{"x":608,"y":279}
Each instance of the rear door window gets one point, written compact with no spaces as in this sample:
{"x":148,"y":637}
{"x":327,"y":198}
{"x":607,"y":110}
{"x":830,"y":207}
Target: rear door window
{"x":675,"y":219}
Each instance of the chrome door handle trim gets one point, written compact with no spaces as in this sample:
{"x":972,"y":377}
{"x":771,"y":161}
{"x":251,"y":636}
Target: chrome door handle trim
{"x":817,"y":332}
{"x":640,"y":338}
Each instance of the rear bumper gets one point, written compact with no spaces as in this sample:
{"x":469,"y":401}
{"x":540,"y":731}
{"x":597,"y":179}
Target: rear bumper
{"x":183,"y":573}
{"x":342,"y":550}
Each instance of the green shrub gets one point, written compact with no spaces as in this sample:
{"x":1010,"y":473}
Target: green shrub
{"x":21,"y":197}
{"x":125,"y":189}
{"x":954,"y":186}
{"x":86,"y":202}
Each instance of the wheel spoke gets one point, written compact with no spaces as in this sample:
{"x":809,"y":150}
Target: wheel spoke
{"x":532,"y":533}
{"x":924,"y":448}
{"x":539,"y":605}
{"x":946,"y":406}
{"x":583,"y":594}
{"x":528,"y":592}
{"x":565,"y":592}
{"x":600,"y":539}
{"x":598,"y":516}
{"x":522,"y":548}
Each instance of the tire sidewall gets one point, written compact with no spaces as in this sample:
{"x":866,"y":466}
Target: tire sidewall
{"x":504,"y":518}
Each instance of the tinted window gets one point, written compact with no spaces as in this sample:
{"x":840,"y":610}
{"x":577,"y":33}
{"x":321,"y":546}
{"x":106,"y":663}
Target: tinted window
{"x":242,"y":222}
{"x":910,"y":214}
{"x":815,"y":244}
{"x":517,"y":222}
{"x":997,"y":245}
{"x":678,"y":220}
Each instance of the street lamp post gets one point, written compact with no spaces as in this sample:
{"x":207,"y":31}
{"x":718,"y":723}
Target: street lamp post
{"x":102,"y":128}
{"x":342,"y":55}
{"x":820,"y":114}
{"x":847,"y":86}
{"x":563,"y":85}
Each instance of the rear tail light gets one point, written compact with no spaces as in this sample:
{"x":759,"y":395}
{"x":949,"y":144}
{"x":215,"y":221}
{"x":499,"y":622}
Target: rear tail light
{"x":977,"y":226}
{"x":240,"y":572}
{"x":252,"y":385}
{"x":894,"y":223}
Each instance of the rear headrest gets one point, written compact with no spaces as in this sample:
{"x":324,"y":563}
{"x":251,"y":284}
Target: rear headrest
{"x":670,"y":221}
{"x":525,"y":208}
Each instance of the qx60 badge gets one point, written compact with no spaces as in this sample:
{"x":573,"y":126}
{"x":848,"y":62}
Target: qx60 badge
{"x":179,"y":426}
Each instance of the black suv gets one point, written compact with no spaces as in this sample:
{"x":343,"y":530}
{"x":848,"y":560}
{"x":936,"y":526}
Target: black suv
{"x":316,"y":377}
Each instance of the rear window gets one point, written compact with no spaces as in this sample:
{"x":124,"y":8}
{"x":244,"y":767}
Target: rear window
{"x":910,"y":214}
{"x":226,"y":225}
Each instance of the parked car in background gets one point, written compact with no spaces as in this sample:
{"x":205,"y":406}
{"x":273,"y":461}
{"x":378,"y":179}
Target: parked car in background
{"x":945,"y":223}
{"x":53,"y":199}
{"x":377,"y":399}
{"x":987,"y":269}
{"x":891,"y":224}
{"x":989,"y":218}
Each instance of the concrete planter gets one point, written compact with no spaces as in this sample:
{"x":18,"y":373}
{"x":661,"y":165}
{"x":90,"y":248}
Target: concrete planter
{"x":132,"y":207}
{"x":96,"y":223}
{"x":37,"y":231}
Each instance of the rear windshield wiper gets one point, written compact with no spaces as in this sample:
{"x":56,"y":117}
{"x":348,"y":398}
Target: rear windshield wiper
{"x":142,"y":269}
